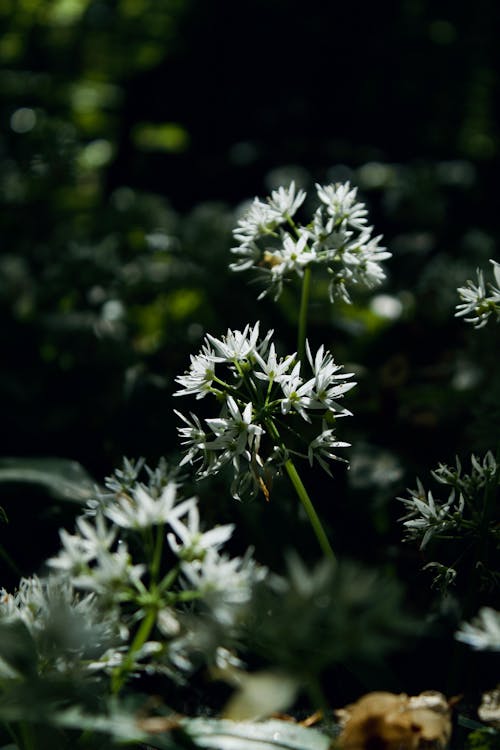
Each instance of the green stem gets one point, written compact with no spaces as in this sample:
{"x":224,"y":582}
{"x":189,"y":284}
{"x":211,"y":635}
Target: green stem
{"x":309,"y":509}
{"x":140,"y":639}
{"x":158,"y":549}
{"x":27,"y":737}
{"x":303,"y":496}
{"x":304,"y":303}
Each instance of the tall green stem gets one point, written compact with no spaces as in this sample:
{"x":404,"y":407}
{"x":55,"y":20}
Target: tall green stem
{"x":303,"y":496}
{"x":304,"y":304}
{"x":140,"y":639}
{"x":309,"y":509}
{"x":158,"y":548}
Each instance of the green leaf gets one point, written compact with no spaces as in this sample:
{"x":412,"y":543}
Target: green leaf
{"x":63,"y":479}
{"x":222,"y":734}
{"x":18,"y":654}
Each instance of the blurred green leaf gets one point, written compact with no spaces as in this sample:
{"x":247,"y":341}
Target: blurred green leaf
{"x":268,"y":735}
{"x":18,"y":654}
{"x":168,"y":136}
{"x":63,"y":479}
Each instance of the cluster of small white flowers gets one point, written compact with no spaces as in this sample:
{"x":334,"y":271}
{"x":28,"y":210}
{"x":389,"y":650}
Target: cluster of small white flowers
{"x":427,"y":517}
{"x":75,"y":622}
{"x":337,"y":238}
{"x":254,"y":385}
{"x":92,"y":560}
{"x":477,"y":302}
{"x":483,"y":633}
{"x":97,"y":578}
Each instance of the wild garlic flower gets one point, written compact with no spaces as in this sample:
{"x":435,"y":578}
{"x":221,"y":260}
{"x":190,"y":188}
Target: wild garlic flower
{"x":65,"y":626}
{"x":427,"y":517}
{"x":254,"y":387}
{"x":477,"y":302}
{"x":140,"y":509}
{"x":224,"y":583}
{"x":483,"y":633}
{"x":337,"y":238}
{"x":190,"y":543}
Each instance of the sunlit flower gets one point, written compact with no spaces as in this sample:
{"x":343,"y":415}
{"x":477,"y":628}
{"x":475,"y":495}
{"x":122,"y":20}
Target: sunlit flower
{"x":321,"y":448}
{"x":338,"y":238}
{"x":341,"y":203}
{"x":254,"y":387}
{"x":285,"y":201}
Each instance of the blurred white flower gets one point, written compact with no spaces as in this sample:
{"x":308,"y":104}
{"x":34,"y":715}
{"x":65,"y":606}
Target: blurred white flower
{"x":483,"y":633}
{"x":224,"y":583}
{"x":140,"y":510}
{"x":190,"y":543}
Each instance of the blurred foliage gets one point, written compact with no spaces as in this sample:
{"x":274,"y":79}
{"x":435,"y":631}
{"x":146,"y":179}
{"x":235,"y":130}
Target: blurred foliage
{"x":133,"y":129}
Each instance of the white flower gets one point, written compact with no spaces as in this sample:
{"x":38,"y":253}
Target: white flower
{"x":322,"y":387}
{"x":427,"y":518}
{"x":111,"y":574}
{"x":238,"y":345}
{"x":341,"y":204}
{"x":321,"y":448}
{"x":338,"y":238}
{"x":79,"y":549}
{"x":258,"y":220}
{"x":496,"y":273}
{"x":235,"y":431}
{"x":483,"y":634}
{"x":285,"y":201}
{"x":198,"y":379}
{"x":257,"y":387}
{"x":294,"y":255}
{"x":194,"y":438}
{"x":250,"y":256}
{"x":274,"y":370}
{"x":195,"y":543}
{"x":225,"y":583}
{"x":297,"y":394}
{"x":74,"y":554}
{"x":141,"y":510}
{"x":475,"y":300}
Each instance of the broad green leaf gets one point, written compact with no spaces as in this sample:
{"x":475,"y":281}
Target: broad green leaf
{"x":222,"y":734}
{"x":62,"y":478}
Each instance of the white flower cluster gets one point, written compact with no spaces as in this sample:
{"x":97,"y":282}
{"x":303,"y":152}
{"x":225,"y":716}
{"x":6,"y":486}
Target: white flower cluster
{"x":337,"y":238}
{"x":483,"y":633}
{"x":53,"y":605}
{"x":477,"y":302}
{"x":102,"y":590}
{"x":254,"y":386}
{"x":427,"y":517}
